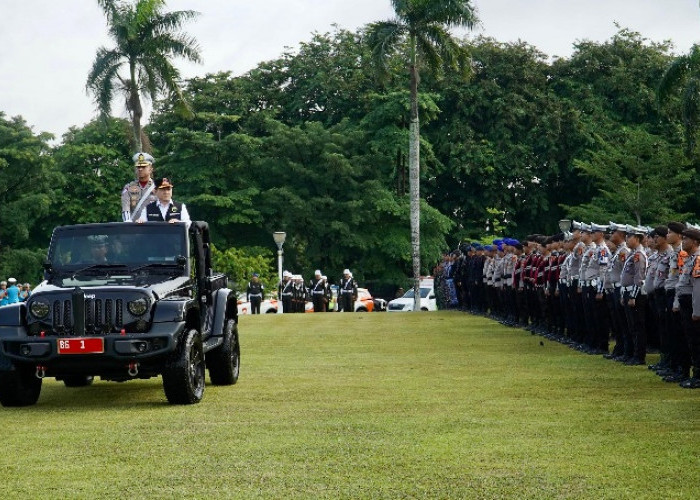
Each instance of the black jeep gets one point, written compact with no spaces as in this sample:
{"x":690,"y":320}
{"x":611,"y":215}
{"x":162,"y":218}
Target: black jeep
{"x":123,"y":301}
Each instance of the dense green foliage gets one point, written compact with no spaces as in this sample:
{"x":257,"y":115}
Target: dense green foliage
{"x":310,"y":144}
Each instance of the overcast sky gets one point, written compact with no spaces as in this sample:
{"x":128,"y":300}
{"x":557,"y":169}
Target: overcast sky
{"x":47,"y":46}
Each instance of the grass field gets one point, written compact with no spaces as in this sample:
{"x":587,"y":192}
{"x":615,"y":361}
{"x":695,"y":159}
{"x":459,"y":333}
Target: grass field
{"x":380,"y":405}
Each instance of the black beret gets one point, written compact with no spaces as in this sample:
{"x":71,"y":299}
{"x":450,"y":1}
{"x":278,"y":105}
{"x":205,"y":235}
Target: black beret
{"x":692,"y":233}
{"x":676,"y":227}
{"x":519,"y":246}
{"x":660,"y":231}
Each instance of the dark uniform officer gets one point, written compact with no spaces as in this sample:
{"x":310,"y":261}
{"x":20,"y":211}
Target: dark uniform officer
{"x":254,"y":293}
{"x":285,"y":291}
{"x":318,"y":289}
{"x":139,"y":192}
{"x":348,"y":291}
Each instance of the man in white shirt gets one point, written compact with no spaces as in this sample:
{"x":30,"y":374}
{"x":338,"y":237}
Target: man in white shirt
{"x":164,"y":209}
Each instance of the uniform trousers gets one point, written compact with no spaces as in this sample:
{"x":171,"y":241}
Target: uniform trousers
{"x":287,"y":303}
{"x":678,"y":350}
{"x":691,"y":331}
{"x":319,"y":302}
{"x":255,"y":304}
{"x":660,"y":312}
{"x":346,"y":299}
{"x":637,"y":346}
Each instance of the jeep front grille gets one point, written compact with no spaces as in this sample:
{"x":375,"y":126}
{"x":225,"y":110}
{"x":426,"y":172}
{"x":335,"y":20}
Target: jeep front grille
{"x":100,"y":315}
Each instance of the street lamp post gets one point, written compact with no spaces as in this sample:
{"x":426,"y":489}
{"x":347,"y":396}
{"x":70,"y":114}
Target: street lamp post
{"x":279,"y":237}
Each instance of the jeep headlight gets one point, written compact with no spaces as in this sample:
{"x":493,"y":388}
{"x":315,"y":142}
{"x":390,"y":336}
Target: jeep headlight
{"x":39,"y":309}
{"x":138,"y":307}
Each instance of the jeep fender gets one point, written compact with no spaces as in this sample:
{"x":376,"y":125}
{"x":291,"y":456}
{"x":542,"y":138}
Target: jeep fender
{"x":12,"y":314}
{"x":167,"y":311}
{"x":225,"y":307}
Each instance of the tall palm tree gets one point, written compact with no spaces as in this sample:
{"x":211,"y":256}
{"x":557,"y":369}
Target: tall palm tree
{"x":146,"y":40}
{"x":420,"y":33}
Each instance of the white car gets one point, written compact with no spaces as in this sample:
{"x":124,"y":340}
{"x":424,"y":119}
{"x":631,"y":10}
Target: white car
{"x":405,"y":303}
{"x":266,"y":306}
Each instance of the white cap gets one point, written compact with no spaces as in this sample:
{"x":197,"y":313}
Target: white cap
{"x":346,"y":271}
{"x":286,"y":274}
{"x":318,"y":272}
{"x":324,"y":277}
{"x":11,"y":280}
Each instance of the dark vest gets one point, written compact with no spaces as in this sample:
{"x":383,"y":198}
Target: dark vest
{"x":153,"y":212}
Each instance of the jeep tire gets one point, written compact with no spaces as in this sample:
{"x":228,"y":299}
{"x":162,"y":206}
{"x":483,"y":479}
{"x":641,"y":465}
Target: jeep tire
{"x":224,"y":362}
{"x":183,"y":377}
{"x":19,"y":387}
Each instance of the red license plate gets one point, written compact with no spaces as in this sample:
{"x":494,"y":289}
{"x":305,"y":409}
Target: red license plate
{"x":80,"y":345}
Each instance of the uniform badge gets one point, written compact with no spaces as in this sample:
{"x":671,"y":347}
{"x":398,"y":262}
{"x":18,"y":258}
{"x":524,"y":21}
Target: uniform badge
{"x":173,"y":209}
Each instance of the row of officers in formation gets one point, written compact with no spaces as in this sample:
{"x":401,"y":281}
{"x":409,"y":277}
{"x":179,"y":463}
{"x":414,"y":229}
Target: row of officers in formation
{"x":294,"y":293}
{"x":591,"y":282}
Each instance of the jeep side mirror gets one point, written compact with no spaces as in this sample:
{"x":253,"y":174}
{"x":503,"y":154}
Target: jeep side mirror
{"x":181,"y":260}
{"x":47,"y":265}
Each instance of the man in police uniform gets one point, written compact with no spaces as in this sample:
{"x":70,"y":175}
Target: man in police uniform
{"x":164,"y":209}
{"x":285,"y":292}
{"x":318,"y":288}
{"x":348,"y":291}
{"x":139,"y":192}
{"x":634,"y":301}
{"x":678,"y":353}
{"x":693,"y":334}
{"x":254,"y":293}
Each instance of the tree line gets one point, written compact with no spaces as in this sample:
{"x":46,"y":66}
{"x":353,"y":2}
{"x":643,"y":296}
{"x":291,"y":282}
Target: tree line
{"x":312,"y":144}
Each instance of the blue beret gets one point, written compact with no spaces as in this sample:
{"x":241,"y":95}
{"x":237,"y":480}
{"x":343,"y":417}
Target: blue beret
{"x":497,"y":242}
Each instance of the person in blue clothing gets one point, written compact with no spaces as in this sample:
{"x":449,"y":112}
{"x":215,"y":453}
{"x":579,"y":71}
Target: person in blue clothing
{"x":25,"y":292}
{"x":3,"y":293}
{"x":12,"y":291}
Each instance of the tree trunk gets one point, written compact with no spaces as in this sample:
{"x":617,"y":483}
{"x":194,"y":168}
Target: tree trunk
{"x":414,"y":177}
{"x":135,"y":108}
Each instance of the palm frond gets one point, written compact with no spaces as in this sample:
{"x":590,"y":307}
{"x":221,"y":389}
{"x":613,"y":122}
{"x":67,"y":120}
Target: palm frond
{"x":429,"y":55}
{"x":382,"y":39}
{"x":450,"y":12}
{"x":109,"y":7}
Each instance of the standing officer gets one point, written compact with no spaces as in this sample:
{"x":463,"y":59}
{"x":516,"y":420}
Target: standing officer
{"x":663,"y":264}
{"x":164,"y":209}
{"x":254,"y":293}
{"x":693,"y":382}
{"x":317,"y":287}
{"x":139,"y":192}
{"x":617,"y":312}
{"x":348,"y":291}
{"x":634,"y":301}
{"x":285,"y":291}
{"x":684,"y":298}
{"x":678,"y":358}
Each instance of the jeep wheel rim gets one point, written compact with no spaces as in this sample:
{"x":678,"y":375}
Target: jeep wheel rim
{"x":196,"y":369}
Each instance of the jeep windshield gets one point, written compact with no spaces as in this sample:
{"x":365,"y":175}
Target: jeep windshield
{"x":100,"y":254}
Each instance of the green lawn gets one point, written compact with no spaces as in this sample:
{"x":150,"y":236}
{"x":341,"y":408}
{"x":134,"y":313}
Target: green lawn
{"x":379,"y":405}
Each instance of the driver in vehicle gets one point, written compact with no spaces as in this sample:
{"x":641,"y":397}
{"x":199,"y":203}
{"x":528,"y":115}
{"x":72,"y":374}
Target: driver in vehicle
{"x":98,"y":249}
{"x":164,"y":209}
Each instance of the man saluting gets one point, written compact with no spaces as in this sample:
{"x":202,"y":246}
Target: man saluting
{"x":164,"y":209}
